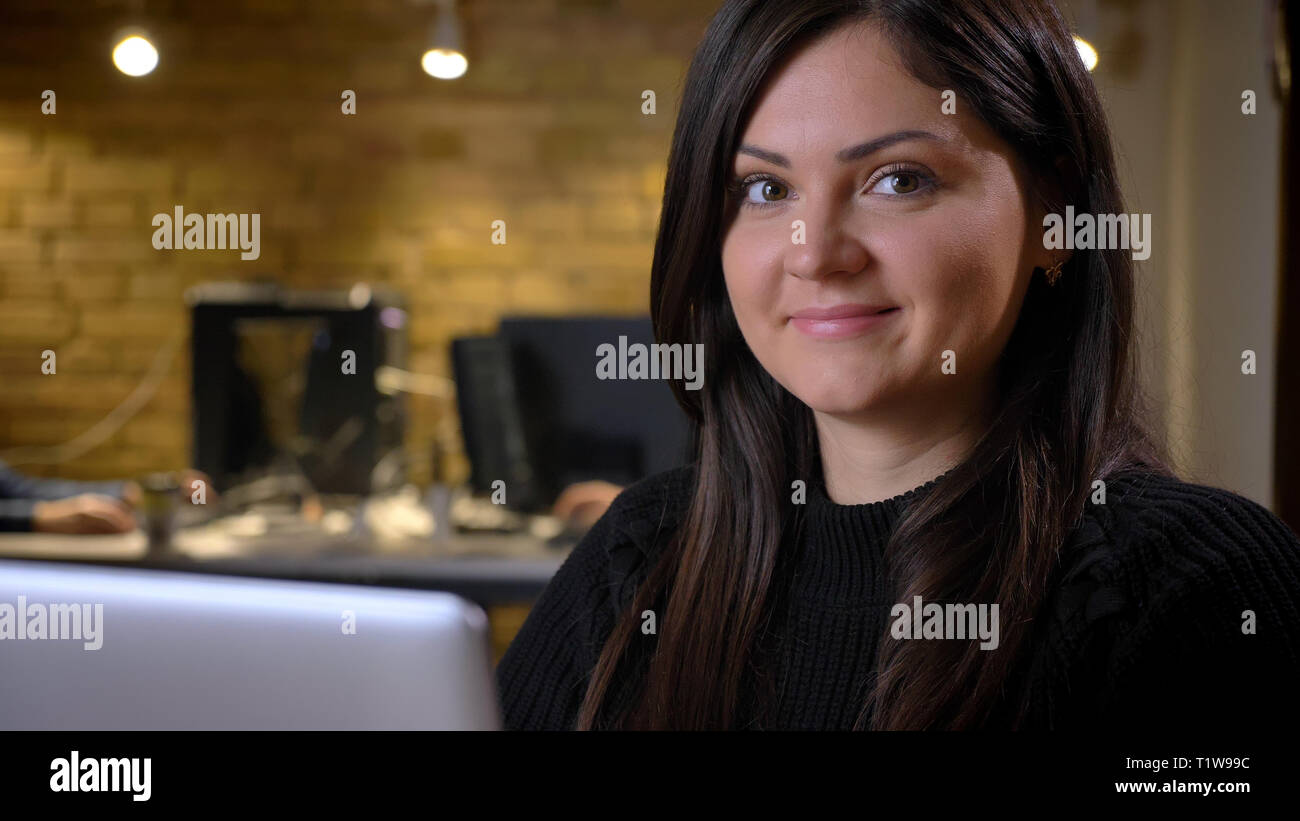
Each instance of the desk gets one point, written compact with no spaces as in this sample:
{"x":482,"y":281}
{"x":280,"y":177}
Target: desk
{"x":486,"y":569}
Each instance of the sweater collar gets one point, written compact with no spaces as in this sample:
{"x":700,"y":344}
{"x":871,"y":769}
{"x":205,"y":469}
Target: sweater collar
{"x":843,"y":548}
{"x":869,"y":523}
{"x":840,"y":558}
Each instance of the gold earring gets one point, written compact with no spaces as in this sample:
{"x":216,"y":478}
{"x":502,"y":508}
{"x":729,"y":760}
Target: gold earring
{"x":1054,"y":272}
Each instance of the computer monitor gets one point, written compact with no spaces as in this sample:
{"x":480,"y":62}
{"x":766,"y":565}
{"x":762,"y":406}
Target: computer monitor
{"x":285,"y":380}
{"x":535,"y":413}
{"x":133,"y":649}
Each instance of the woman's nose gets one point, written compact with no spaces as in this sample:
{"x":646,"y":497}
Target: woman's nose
{"x":824,"y":244}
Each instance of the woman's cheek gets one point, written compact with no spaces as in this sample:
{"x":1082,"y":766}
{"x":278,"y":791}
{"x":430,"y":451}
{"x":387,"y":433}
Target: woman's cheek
{"x":747,"y":305}
{"x":947,"y":292}
{"x":752,"y":277}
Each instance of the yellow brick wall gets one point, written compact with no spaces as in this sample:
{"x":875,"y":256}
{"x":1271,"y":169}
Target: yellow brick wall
{"x":243,"y":114}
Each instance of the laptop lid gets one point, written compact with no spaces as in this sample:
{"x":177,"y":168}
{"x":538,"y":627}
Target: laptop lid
{"x":105,"y":648}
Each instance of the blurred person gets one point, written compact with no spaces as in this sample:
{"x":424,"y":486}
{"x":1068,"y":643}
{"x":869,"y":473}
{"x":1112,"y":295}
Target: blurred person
{"x":583,"y":503}
{"x":29,"y":504}
{"x":843,"y":473}
{"x":62,"y":506}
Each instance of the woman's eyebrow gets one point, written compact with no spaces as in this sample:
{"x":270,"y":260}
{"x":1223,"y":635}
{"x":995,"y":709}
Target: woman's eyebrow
{"x":845,"y":155}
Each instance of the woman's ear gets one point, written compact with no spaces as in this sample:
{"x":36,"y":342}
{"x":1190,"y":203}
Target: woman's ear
{"x":1050,"y":188}
{"x":1049,"y":198}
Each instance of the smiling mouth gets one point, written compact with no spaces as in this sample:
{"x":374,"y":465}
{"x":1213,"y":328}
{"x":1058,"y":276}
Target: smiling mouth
{"x":842,"y":327}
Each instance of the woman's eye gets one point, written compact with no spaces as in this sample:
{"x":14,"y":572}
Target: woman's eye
{"x":900,"y":182}
{"x":765,"y":192}
{"x":769,"y":191}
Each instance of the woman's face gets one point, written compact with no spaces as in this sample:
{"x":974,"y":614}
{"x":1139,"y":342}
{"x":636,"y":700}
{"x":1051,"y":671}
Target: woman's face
{"x":930,"y":220}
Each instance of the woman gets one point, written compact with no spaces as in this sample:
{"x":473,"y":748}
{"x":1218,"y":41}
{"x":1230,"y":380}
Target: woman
{"x":907,"y":394}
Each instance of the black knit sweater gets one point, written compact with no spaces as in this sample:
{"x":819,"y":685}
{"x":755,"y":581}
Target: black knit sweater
{"x":1144,"y":628}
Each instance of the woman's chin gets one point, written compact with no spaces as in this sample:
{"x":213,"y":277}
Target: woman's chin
{"x":833,"y":400}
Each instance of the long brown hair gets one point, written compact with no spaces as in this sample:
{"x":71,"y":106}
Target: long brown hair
{"x":992,"y":529}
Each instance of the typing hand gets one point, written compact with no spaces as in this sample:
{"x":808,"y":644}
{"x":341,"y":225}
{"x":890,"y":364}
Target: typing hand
{"x":87,"y":513}
{"x":585,"y":502}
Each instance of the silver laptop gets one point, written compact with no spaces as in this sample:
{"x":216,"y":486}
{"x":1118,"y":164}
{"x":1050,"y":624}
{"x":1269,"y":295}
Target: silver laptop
{"x":105,"y":648}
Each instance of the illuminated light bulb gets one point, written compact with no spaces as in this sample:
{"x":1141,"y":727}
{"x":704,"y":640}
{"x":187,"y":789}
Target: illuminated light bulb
{"x":445,"y":58}
{"x":135,"y":56}
{"x":1086,"y":52}
{"x":444,"y":64}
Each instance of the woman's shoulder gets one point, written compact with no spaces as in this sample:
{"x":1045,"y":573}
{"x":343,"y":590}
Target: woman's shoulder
{"x":1175,"y":593}
{"x":651,"y":508}
{"x":1148,"y":528}
{"x":634,"y":529}
{"x":648,"y":513}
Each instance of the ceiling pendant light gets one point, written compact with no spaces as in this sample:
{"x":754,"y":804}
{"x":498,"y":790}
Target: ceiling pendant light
{"x":445,"y":58}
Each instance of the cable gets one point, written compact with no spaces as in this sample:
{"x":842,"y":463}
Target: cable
{"x":107,"y":426}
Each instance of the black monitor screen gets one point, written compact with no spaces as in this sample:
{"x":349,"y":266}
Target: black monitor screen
{"x":578,"y":426}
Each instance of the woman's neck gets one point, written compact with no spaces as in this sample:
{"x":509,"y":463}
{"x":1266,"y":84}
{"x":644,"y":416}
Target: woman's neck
{"x":869,"y":460}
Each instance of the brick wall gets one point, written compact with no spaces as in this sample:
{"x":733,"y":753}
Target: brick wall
{"x":545,"y":131}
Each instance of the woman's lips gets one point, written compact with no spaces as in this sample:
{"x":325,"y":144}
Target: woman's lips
{"x":839,"y":323}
